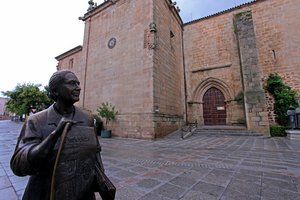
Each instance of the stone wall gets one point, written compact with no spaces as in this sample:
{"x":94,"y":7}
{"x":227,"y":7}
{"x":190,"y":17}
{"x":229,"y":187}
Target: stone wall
{"x":2,"y":105}
{"x":211,"y":60}
{"x":142,"y":74}
{"x":254,"y":95}
{"x":211,"y":52}
{"x":121,"y":74}
{"x":168,"y":69}
{"x":72,"y":60}
{"x":277,"y":30}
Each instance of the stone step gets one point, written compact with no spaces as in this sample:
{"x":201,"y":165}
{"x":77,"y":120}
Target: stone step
{"x":225,"y":130}
{"x":186,"y":132}
{"x":293,"y":134}
{"x":222,"y":127}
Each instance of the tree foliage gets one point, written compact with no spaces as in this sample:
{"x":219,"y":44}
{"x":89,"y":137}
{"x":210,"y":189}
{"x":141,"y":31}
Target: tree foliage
{"x":24,"y":96}
{"x":284,"y":97}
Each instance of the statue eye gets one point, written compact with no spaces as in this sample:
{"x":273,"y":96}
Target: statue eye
{"x":74,"y":83}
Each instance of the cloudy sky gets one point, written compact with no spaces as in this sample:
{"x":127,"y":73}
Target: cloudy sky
{"x":34,"y":32}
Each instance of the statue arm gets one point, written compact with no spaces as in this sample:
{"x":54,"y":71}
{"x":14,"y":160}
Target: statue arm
{"x":103,"y":185}
{"x":99,"y":161}
{"x":98,"y":153}
{"x":34,"y":153}
{"x":19,"y":162}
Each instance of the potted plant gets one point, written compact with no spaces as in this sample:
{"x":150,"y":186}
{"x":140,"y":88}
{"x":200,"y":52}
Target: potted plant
{"x":107,"y":112}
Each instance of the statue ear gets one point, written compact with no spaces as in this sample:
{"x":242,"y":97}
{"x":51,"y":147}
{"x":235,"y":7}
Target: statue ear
{"x":56,"y":94}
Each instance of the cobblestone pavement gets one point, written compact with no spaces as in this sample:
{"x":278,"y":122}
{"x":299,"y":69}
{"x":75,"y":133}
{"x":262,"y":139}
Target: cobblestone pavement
{"x":202,"y":166}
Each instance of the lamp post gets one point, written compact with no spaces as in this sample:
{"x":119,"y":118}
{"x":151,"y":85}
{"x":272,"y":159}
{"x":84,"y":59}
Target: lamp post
{"x":297,"y":116}
{"x":294,"y":122}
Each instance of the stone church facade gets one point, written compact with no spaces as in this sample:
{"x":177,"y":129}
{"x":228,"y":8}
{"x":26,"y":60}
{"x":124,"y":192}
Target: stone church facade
{"x":161,"y":73}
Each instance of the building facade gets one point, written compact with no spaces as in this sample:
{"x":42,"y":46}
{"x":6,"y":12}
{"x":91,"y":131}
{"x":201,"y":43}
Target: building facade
{"x":160,"y":73}
{"x":3,"y":112}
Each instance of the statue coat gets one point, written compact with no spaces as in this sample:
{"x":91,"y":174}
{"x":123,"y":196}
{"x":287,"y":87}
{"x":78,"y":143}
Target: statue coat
{"x":34,"y":131}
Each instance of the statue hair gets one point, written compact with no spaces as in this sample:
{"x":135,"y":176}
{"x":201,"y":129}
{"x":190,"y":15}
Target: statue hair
{"x":55,"y":81}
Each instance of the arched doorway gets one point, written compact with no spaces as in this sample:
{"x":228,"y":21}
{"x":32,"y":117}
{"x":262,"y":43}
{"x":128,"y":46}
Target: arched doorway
{"x":214,"y":108}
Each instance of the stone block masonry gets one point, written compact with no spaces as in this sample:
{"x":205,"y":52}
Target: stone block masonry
{"x":254,"y":95}
{"x":159,"y":69}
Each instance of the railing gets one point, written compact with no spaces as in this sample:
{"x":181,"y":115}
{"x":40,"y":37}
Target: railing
{"x":189,"y":129}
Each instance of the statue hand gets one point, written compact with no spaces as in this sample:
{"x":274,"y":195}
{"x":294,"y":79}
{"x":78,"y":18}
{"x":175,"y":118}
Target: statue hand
{"x":41,"y":151}
{"x":61,"y":125}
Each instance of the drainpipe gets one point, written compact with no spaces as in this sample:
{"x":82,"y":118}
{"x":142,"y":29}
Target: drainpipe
{"x":184,"y":77}
{"x":86,"y":61}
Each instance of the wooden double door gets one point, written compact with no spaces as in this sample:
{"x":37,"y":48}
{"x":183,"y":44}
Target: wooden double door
{"x":214,"y":107}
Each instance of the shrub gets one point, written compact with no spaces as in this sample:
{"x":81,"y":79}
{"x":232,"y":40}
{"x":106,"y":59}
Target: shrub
{"x":278,"y":131}
{"x":284,"y":98}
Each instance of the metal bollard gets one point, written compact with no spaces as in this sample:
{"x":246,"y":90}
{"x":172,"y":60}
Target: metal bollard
{"x":291,"y":113}
{"x":297,"y":118}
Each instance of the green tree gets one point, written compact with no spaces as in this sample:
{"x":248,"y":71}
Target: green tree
{"x":284,"y":97}
{"x":26,"y":95}
{"x":49,"y":101}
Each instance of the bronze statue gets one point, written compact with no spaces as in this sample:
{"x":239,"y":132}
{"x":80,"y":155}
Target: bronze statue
{"x":59,"y":149}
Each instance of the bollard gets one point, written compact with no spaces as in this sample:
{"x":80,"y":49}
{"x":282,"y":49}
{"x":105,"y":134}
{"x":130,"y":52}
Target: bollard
{"x":297,"y":118}
{"x":292,"y":115}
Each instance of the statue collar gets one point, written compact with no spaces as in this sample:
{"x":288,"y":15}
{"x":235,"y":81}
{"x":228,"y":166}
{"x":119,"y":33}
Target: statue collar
{"x":53,"y":117}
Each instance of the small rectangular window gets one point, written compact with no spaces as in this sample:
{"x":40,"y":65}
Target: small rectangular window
{"x":171,"y":34}
{"x":172,"y":40}
{"x":273,"y":54}
{"x":71,"y":63}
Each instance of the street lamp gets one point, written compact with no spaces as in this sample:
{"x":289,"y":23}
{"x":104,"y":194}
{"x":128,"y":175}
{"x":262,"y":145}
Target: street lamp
{"x":297,"y":116}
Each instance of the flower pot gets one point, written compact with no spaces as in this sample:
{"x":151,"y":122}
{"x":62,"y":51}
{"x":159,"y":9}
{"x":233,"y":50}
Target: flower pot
{"x":105,"y":133}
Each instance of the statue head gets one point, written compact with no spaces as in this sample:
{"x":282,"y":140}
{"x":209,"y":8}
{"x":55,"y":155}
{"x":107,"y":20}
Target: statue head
{"x":56,"y":80}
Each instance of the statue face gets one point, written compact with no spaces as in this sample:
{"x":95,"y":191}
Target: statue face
{"x":69,"y":90}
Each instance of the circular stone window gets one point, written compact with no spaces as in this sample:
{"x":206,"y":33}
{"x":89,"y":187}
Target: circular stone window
{"x":112,"y":43}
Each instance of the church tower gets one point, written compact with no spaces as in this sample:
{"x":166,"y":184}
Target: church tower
{"x":132,"y":57}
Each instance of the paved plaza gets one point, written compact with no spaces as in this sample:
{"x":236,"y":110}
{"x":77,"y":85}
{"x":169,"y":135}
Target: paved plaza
{"x":204,"y":166}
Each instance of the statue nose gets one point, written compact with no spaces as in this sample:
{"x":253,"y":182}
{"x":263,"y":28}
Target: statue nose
{"x":78,"y":87}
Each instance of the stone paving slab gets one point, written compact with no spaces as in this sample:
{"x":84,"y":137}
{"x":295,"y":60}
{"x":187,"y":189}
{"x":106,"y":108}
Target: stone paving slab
{"x":8,"y":194}
{"x":203,"y":166}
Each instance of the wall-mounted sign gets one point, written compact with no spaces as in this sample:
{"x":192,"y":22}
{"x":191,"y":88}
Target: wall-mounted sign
{"x":220,"y":108}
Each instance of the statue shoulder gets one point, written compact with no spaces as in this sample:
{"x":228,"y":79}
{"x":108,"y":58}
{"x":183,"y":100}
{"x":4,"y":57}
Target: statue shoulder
{"x":39,"y":116}
{"x":84,"y":115}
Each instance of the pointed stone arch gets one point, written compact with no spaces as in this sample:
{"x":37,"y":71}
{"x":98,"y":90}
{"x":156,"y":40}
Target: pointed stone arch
{"x":196,"y":106}
{"x":209,"y":83}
